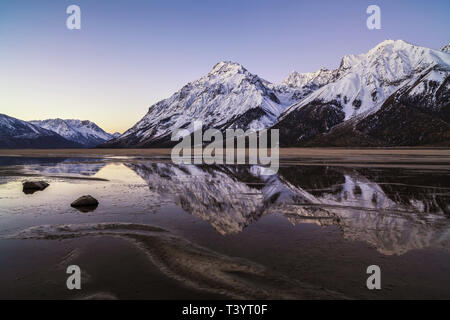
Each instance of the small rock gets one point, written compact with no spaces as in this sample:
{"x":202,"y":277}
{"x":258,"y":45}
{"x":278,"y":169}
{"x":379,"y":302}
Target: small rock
{"x":85,"y":201}
{"x":33,"y":186}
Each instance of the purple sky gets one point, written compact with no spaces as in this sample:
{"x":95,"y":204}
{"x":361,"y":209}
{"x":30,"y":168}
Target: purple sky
{"x":130,"y":54}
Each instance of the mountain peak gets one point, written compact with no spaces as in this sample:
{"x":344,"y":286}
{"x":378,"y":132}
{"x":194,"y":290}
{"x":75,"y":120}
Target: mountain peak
{"x":395,"y":59}
{"x":364,"y":82}
{"x":227,"y":97}
{"x":390,"y":43}
{"x":298,"y":80}
{"x":390,"y":46}
{"x":228,"y":67}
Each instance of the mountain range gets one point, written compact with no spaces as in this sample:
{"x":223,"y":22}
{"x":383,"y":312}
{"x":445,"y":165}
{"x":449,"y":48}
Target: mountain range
{"x":84,"y":132}
{"x":396,"y":94}
{"x":51,"y":133}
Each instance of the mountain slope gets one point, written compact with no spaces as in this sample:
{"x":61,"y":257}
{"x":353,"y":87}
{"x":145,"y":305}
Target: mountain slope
{"x":15,"y":133}
{"x":227,"y":97}
{"x":418,"y":114}
{"x":370,"y":95}
{"x":86,"y":133}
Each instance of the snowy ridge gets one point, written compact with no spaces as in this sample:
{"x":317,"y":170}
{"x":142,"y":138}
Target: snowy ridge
{"x":83,"y":132}
{"x":15,"y":133}
{"x":311,"y":79}
{"x":363,"y":82}
{"x":20,"y":129}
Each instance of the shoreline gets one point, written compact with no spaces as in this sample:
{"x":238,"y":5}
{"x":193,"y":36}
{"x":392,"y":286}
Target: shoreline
{"x":395,"y":158}
{"x":283,"y":151}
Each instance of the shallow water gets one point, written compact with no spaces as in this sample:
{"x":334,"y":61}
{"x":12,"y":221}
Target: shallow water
{"x":166,"y":231}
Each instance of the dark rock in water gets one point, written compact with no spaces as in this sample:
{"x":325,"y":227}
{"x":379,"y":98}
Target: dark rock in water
{"x":41,"y":185}
{"x":85,"y":203}
{"x":30,"y":187}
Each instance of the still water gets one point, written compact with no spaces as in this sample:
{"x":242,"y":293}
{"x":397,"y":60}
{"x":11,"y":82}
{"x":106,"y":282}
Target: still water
{"x":165,"y":231}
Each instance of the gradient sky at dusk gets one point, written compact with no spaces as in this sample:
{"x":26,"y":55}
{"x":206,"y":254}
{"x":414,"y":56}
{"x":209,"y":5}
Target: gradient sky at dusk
{"x":130,"y":54}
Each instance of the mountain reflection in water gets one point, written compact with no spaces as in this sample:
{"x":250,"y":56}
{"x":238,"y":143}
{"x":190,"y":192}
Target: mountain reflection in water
{"x":214,"y":231}
{"x":395,"y":210}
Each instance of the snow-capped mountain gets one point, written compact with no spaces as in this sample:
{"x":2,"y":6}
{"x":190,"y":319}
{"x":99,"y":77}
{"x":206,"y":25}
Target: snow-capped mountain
{"x":83,"y":132}
{"x":227,"y":97}
{"x":15,"y":133}
{"x":369,"y":94}
{"x":365,"y":81}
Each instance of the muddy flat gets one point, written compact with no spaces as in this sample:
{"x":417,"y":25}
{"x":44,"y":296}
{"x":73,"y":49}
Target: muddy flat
{"x":166,"y":231}
{"x":376,"y":156}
